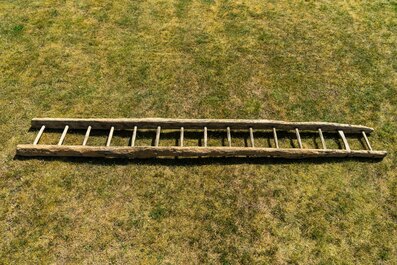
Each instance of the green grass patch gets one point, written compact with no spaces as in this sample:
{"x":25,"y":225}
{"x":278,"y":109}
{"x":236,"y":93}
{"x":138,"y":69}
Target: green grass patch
{"x":290,"y":60}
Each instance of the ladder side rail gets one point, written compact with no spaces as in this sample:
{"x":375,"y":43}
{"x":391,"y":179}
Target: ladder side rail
{"x":152,"y":123}
{"x":172,"y":151}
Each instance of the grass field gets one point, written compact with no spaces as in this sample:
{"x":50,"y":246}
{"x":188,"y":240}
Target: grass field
{"x":289,"y":60}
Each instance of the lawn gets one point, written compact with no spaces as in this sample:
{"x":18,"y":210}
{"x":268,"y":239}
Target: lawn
{"x":290,"y":60}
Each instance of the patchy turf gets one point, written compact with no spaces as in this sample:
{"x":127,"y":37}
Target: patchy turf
{"x":328,"y":61}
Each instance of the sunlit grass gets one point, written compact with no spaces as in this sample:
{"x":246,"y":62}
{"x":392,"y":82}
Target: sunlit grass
{"x":290,"y":60}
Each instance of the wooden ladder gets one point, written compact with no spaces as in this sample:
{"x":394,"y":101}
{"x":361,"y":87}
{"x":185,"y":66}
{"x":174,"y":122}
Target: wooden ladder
{"x":133,"y":151}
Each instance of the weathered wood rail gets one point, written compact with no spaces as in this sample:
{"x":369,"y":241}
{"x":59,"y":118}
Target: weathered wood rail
{"x":153,"y":123}
{"x":133,"y":151}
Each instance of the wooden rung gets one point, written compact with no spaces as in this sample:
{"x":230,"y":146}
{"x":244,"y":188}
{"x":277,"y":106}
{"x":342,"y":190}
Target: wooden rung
{"x":87,"y":134}
{"x":298,"y":136}
{"x":110,"y":136}
{"x":367,"y":141}
{"x":322,"y":138}
{"x":275,"y":137}
{"x":229,"y":137}
{"x":133,"y":137}
{"x":205,"y":137}
{"x":182,"y":135}
{"x":342,"y":135}
{"x":157,"y":140}
{"x":65,"y":131}
{"x":252,"y":137}
{"x":36,"y":141}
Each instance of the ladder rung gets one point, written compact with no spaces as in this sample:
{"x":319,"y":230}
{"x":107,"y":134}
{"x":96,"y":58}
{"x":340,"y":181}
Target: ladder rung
{"x":65,"y":131}
{"x":205,"y":136}
{"x":87,"y":134}
{"x":298,"y":136}
{"x":252,"y":137}
{"x":182,"y":135}
{"x":110,"y":136}
{"x":133,"y":137}
{"x":229,"y":137}
{"x":367,"y":141}
{"x":40,"y":133}
{"x":322,"y":138}
{"x":275,"y":137}
{"x":346,"y":144}
{"x":157,"y":141}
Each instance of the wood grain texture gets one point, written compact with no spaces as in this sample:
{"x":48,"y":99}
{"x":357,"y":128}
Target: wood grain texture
{"x":367,"y":141}
{"x":252,"y":137}
{"x":345,"y":142}
{"x":62,"y":139}
{"x":322,"y":139}
{"x":205,"y":136}
{"x":157,"y":140}
{"x":87,"y":135}
{"x":162,"y":151}
{"x":275,"y":137}
{"x":298,"y":137}
{"x":181,"y":136}
{"x":153,"y":123}
{"x":229,"y":137}
{"x":109,"y":140}
{"x":133,"y":137}
{"x":37,"y":139}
